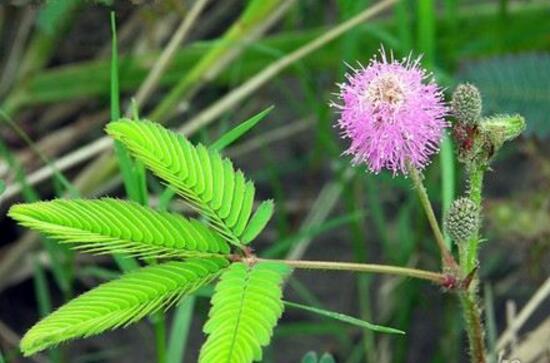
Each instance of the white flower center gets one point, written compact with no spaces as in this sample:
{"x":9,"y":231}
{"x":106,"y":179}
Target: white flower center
{"x":386,"y":89}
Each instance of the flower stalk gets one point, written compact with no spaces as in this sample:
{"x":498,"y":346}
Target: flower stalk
{"x":446,"y":256}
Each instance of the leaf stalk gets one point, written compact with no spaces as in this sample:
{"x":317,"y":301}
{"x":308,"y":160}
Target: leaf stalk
{"x":435,"y":277}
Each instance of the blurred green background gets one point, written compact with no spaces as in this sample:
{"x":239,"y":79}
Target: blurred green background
{"x":230,"y":60}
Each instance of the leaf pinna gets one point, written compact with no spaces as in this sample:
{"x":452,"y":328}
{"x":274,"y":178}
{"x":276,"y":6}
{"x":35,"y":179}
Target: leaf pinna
{"x":122,"y":302}
{"x":245,"y":309}
{"x":205,"y":179}
{"x":116,"y":226}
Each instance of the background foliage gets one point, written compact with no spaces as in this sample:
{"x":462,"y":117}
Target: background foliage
{"x":55,"y":88}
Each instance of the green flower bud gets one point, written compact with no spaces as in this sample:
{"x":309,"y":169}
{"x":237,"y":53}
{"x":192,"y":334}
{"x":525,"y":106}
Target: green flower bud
{"x":462,"y":220}
{"x":501,"y":128}
{"x":466,"y":104}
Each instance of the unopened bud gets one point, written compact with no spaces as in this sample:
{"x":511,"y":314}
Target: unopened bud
{"x":501,"y":128}
{"x":466,"y":104}
{"x":462,"y":220}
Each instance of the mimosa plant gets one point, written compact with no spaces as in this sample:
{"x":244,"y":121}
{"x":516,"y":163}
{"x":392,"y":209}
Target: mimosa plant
{"x":394,"y":115}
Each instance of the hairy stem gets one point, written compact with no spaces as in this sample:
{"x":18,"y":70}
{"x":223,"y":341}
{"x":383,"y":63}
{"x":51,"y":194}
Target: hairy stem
{"x":448,"y":259}
{"x":436,"y":277}
{"x":474,"y":326}
{"x":468,"y":261}
{"x":474,"y":193}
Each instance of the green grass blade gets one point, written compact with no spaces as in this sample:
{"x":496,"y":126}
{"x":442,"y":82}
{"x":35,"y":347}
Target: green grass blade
{"x":52,"y":21}
{"x":447,"y":162}
{"x":159,"y":327}
{"x":492,"y":332}
{"x":42,"y":292}
{"x":41,"y":289}
{"x":180,"y":331}
{"x":87,"y":79}
{"x":139,"y":168}
{"x":59,"y":177}
{"x":426,"y":30}
{"x":240,"y":130}
{"x":166,"y":197}
{"x":115,"y":91}
{"x":125,"y":163}
{"x":2,"y":186}
{"x":30,"y":195}
{"x":252,"y":16}
{"x":376,"y":208}
{"x":402,"y":18}
{"x":354,"y":200}
{"x":427,"y":44}
{"x":345,"y":318}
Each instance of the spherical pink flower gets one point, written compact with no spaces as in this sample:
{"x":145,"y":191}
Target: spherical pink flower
{"x":393,"y":113}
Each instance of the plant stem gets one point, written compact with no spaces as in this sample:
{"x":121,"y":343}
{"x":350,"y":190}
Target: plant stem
{"x":436,"y":277}
{"x":476,"y":185}
{"x":448,"y":259}
{"x":474,"y":193}
{"x":468,"y":261}
{"x":474,"y":326}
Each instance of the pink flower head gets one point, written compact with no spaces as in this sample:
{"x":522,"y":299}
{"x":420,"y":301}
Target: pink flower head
{"x":391,"y":117}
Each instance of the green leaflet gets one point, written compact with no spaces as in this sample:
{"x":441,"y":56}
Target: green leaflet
{"x":259,"y":220}
{"x":116,"y":226}
{"x":121,"y":302}
{"x":202,"y":176}
{"x":245,"y":309}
